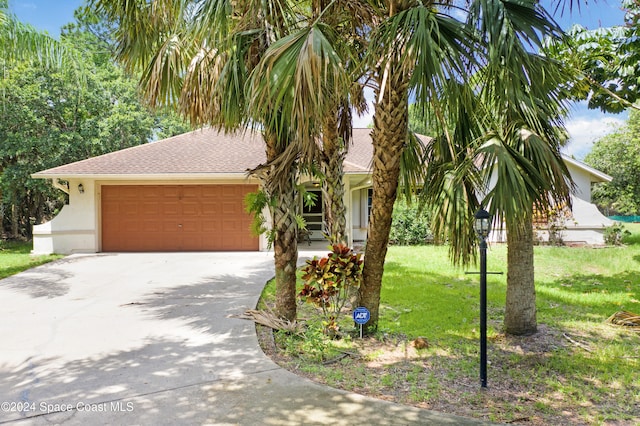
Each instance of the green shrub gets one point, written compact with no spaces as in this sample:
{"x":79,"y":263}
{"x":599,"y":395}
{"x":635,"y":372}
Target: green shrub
{"x":329,"y":283}
{"x":410,"y":226}
{"x":614,"y":234}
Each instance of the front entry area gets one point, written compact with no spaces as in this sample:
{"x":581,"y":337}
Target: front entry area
{"x":176,"y":218}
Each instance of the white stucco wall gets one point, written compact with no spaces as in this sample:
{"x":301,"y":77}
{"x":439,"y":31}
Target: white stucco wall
{"x":582,"y":181}
{"x":74,"y":229}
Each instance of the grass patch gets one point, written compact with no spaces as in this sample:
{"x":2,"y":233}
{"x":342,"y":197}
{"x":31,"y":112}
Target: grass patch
{"x":577,"y":369}
{"x":15,"y":256}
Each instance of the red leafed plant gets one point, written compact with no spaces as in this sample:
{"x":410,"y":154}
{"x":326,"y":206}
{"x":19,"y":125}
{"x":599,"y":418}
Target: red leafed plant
{"x":330,"y":281}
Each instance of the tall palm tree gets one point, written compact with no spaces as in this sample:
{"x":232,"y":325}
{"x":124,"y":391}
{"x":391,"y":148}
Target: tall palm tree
{"x":416,"y":49}
{"x":322,"y":62}
{"x":199,"y":58}
{"x":509,"y":155}
{"x":525,"y":134}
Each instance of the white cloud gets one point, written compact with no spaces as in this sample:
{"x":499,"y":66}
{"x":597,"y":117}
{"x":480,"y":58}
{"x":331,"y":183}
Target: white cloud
{"x":586,"y":129}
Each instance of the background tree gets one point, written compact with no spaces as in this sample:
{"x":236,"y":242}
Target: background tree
{"x":55,"y":116}
{"x":608,"y":59}
{"x":618,"y":155}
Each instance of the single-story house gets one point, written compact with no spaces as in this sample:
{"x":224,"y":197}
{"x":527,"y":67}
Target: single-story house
{"x":186,"y":193}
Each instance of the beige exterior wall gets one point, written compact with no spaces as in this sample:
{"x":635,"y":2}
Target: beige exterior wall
{"x":356,"y":187}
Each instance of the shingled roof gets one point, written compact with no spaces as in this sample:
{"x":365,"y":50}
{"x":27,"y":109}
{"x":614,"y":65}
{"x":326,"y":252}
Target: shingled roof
{"x":198,"y":153}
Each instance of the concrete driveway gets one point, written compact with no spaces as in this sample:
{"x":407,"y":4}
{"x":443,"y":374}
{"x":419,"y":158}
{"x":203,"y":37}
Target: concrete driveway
{"x":149,"y":339}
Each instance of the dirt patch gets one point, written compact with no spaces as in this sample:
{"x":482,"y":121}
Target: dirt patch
{"x":442,"y":379}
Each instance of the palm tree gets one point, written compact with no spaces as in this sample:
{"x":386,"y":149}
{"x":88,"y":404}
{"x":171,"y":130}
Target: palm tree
{"x":320,"y":60}
{"x":416,"y":49}
{"x":525,"y":134}
{"x":199,"y":57}
{"x":513,"y":145}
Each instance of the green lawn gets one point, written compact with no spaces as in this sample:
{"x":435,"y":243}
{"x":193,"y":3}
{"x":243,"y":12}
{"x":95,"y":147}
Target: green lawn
{"x":577,"y":370}
{"x":15,"y":257}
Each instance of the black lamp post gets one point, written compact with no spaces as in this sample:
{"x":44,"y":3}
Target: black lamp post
{"x":482,"y":227}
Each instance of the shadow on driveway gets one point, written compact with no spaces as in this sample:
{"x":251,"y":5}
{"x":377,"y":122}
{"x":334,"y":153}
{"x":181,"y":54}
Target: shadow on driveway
{"x":150,"y":339}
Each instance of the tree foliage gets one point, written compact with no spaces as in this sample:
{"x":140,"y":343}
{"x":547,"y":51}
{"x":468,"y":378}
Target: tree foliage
{"x":53,"y":116}
{"x":618,"y":155}
{"x":608,"y":60}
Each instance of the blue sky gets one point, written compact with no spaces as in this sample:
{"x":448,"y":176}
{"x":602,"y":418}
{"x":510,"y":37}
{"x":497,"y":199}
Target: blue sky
{"x":585,"y":126}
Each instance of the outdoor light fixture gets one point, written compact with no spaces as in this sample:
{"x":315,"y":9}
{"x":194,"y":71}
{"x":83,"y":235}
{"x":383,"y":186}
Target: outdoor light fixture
{"x":81,"y":188}
{"x":483,"y":223}
{"x":483,"y":226}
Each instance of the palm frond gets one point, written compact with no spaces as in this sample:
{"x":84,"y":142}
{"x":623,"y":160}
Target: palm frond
{"x":20,"y":41}
{"x":518,"y":161}
{"x":427,"y":45}
{"x":301,"y":76}
{"x":412,"y":165}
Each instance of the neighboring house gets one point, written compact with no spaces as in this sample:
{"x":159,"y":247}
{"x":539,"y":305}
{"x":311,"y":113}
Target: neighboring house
{"x":585,"y":224}
{"x":186,"y":193}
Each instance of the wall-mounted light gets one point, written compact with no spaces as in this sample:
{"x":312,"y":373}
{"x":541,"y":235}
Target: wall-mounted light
{"x":81,"y":188}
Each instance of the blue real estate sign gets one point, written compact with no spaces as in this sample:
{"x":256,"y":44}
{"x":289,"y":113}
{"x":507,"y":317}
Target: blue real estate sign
{"x":361,"y":315}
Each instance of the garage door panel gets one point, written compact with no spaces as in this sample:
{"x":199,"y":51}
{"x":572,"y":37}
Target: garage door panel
{"x":191,"y":192}
{"x":176,"y":217}
{"x":190,"y":208}
{"x":168,"y":191}
{"x":129,"y":208}
{"x":231,"y":191}
{"x":170,"y":208}
{"x":150,"y":227}
{"x":149,"y":208}
{"x":128,"y":192}
{"x":190,"y":225}
{"x":170,"y":226}
{"x":210,"y":208}
{"x":231,"y":226}
{"x":211,"y":191}
{"x":230,"y":208}
{"x":211,"y":225}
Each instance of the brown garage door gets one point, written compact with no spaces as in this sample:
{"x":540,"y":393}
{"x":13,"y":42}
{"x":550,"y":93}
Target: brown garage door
{"x":175,"y":218}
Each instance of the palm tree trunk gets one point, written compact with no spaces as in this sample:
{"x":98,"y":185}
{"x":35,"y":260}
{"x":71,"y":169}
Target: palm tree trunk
{"x":520,"y":309}
{"x":285,"y":244}
{"x":285,"y":248}
{"x":389,"y":134}
{"x":332,"y":158}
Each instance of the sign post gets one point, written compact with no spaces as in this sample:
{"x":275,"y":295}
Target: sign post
{"x":361,"y":316}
